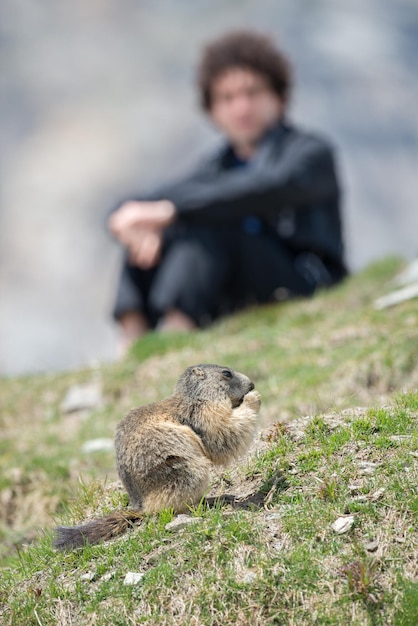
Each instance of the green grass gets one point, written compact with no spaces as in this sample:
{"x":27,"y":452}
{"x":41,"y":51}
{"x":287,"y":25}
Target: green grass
{"x":276,"y":561}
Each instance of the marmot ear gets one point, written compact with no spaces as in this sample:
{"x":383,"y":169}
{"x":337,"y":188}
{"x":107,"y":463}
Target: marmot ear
{"x":197,"y":371}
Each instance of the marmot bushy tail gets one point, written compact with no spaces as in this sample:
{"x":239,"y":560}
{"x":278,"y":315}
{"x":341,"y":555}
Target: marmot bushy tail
{"x":164,"y":450}
{"x":101,"y":529}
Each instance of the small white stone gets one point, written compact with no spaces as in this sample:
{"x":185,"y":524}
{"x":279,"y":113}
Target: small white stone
{"x":249,"y":577}
{"x":367,"y":467}
{"x":97,"y":445}
{"x":87,"y":576}
{"x":377,"y":494}
{"x":133,"y":578}
{"x":79,"y":397}
{"x":107,"y":576}
{"x":343,"y":524}
{"x":298,"y":435}
{"x":364,"y":464}
{"x":181,"y":521}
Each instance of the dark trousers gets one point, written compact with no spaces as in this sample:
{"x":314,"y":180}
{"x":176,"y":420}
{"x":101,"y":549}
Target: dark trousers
{"x":208,"y":271}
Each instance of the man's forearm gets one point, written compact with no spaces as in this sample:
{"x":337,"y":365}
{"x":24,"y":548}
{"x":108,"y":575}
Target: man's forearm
{"x":304,"y":175}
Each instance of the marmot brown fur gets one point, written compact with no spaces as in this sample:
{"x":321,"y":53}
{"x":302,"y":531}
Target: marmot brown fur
{"x":164,"y":450}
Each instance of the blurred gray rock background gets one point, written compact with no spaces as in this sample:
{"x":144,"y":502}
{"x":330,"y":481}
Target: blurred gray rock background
{"x":97,"y":102}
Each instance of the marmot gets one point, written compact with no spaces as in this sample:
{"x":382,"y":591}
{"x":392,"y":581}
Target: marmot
{"x":164,"y":450}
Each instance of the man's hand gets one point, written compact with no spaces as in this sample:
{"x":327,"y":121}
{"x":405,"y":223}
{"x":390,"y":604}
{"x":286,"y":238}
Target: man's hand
{"x":139,"y":226}
{"x":145,"y":249}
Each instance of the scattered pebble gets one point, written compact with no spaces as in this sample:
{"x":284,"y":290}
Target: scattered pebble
{"x":367,"y":467}
{"x":343,"y":524}
{"x":79,"y":397}
{"x":97,"y":445}
{"x":88,"y":576}
{"x":377,"y":494}
{"x":273,"y":516}
{"x":108,"y":576}
{"x":371,"y":546}
{"x":133,"y":578}
{"x":181,"y":521}
{"x":399,"y":438}
{"x":298,"y":435}
{"x":365,"y":464}
{"x":249,"y":577}
{"x":278,"y":545}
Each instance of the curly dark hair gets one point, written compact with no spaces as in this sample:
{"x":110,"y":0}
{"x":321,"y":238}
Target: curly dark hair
{"x":243,"y":49}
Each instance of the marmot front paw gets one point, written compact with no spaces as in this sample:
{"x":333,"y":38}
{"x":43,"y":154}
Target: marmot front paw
{"x":253,"y":400}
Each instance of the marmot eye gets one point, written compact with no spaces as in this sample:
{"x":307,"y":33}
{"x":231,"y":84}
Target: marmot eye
{"x":227,"y":374}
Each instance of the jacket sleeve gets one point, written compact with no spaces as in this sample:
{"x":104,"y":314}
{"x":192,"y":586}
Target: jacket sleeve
{"x":305,"y":173}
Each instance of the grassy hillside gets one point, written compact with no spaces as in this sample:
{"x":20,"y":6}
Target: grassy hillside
{"x":273,"y":557}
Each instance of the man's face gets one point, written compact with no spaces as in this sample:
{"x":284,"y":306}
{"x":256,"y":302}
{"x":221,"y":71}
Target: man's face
{"x":244,"y":105}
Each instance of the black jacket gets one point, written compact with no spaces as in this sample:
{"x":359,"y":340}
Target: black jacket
{"x":291,"y":185}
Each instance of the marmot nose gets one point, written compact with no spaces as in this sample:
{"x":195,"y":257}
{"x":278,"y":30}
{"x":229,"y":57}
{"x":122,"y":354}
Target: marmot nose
{"x":251,"y":385}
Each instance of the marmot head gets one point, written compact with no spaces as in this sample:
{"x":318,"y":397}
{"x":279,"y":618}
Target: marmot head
{"x":213,"y":383}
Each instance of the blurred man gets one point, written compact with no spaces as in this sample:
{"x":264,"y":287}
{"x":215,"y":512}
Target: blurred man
{"x":257,"y":222}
